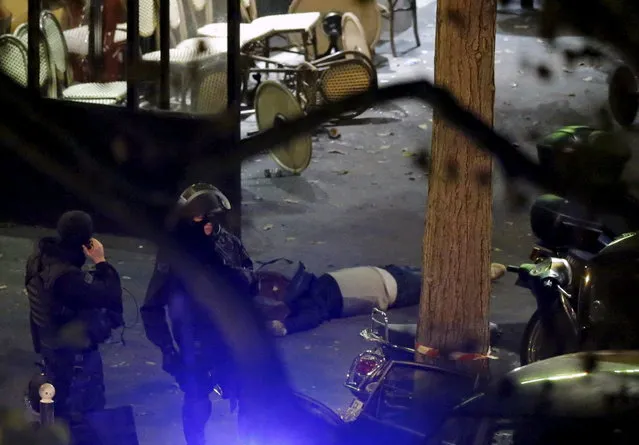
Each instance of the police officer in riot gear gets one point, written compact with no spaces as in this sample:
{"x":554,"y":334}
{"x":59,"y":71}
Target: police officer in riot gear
{"x":71,"y":313}
{"x":193,"y":350}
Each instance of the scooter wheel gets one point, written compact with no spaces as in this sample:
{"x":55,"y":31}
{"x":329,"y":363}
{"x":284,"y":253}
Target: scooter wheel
{"x":623,"y":96}
{"x":537,"y":344}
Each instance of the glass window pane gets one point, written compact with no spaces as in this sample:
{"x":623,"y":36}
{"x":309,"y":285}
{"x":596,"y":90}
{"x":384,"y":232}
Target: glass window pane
{"x":71,"y":68}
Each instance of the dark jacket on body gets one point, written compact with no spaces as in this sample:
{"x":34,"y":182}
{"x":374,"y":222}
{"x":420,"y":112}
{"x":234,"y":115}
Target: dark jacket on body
{"x":60,"y":292}
{"x":320,"y":299}
{"x":197,"y":337}
{"x":321,"y":302}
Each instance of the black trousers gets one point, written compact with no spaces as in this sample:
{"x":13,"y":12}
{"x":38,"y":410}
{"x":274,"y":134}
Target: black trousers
{"x":197,"y":383}
{"x":78,"y":378}
{"x":409,"y":284}
{"x":201,"y":373}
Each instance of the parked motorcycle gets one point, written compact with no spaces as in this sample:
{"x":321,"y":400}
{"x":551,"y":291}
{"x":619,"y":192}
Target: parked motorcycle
{"x":565,"y":400}
{"x":568,"y":242}
{"x":391,"y":342}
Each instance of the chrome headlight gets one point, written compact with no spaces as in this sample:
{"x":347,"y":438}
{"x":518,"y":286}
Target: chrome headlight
{"x":556,"y":268}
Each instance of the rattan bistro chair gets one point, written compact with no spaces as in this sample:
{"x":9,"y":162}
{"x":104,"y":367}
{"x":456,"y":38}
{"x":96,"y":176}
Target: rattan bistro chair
{"x":109,"y":93}
{"x":204,"y":88}
{"x":334,"y":77}
{"x":209,"y":93}
{"x":248,"y":10}
{"x":367,"y":12}
{"x":46,"y":83}
{"x":390,"y":10}
{"x":13,"y":59}
{"x":348,"y":72}
{"x":341,"y":79}
{"x":354,"y":37}
{"x":21,"y":31}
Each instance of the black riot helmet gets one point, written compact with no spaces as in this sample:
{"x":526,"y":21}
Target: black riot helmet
{"x":203,"y":199}
{"x":200,"y":200}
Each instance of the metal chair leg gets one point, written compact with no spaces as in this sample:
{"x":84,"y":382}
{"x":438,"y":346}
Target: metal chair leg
{"x":391,"y":19}
{"x":415,"y":27}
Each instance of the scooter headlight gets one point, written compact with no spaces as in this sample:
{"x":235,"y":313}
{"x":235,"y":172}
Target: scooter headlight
{"x":557,"y":269}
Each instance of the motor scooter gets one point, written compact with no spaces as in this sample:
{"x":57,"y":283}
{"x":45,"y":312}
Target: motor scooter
{"x":567,"y":241}
{"x":390,"y":342}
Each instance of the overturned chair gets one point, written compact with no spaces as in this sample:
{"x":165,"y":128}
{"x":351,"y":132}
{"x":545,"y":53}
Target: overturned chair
{"x":345,"y":70}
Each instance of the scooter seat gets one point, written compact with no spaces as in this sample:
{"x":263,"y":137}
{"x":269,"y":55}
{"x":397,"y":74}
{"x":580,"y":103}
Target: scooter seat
{"x":403,"y":334}
{"x":557,"y":222}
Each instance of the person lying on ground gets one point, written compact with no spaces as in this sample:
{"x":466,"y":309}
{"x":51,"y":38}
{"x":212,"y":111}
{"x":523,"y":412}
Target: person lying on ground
{"x":304,"y":301}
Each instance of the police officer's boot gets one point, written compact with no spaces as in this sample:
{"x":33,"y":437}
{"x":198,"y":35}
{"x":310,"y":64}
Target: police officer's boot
{"x":194,"y":437}
{"x":195,"y":413}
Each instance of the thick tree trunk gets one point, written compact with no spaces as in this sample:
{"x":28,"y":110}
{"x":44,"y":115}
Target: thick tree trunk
{"x":457,"y":239}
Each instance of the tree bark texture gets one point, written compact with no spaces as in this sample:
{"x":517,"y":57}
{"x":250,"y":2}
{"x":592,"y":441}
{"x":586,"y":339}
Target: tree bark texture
{"x":457,"y":239}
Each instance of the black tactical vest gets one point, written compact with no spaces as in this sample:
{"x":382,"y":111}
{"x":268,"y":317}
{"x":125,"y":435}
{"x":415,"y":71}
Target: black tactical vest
{"x":46,"y":314}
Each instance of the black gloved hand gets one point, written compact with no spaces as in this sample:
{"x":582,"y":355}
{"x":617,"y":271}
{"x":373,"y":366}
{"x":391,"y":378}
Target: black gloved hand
{"x":227,"y":387}
{"x":172,"y":362}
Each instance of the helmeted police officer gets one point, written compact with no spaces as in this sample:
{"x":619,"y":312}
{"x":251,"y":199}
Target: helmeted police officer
{"x":201,"y":362}
{"x":71,"y":313}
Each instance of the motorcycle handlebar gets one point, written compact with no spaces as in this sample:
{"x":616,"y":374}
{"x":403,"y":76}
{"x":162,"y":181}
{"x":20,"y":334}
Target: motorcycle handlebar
{"x":545,"y":273}
{"x":523,"y":274}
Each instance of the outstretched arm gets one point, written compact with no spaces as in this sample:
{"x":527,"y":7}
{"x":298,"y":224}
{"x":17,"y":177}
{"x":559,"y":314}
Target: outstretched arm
{"x":153,"y":311}
{"x":305,"y":316}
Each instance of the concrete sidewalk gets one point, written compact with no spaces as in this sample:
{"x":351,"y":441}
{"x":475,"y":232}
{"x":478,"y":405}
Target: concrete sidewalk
{"x":361,"y":202}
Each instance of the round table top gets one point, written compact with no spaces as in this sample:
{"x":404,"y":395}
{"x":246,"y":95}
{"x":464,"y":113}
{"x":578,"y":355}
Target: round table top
{"x":192,"y":51}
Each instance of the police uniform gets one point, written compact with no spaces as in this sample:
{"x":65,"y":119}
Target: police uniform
{"x":62,"y":298}
{"x":202,"y":359}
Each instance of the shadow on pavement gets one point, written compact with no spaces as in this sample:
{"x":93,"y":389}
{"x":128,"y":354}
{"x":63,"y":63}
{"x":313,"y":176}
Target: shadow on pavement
{"x":524,"y":23}
{"x":512,"y":335}
{"x":518,"y":22}
{"x":390,"y":107}
{"x":299,"y":187}
{"x":280,"y":208}
{"x":534,"y":120}
{"x":17,"y":367}
{"x":367,"y":121}
{"x":380,"y":60}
